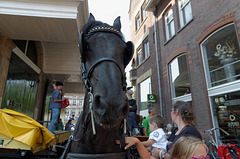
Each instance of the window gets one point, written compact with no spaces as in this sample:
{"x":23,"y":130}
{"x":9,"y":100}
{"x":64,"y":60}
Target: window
{"x":137,"y":21}
{"x":144,"y":88}
{"x":185,"y":11}
{"x":169,"y":24}
{"x":144,"y":13}
{"x":146,"y":48}
{"x":74,"y":102}
{"x":225,"y":109}
{"x":140,"y":55}
{"x":81,"y":103}
{"x":221,"y":56}
{"x":179,"y":80}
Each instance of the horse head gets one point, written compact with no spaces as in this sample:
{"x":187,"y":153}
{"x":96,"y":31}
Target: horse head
{"x":104,"y":55}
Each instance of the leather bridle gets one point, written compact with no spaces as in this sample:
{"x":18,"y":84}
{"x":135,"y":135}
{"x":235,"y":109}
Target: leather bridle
{"x":87,"y":74}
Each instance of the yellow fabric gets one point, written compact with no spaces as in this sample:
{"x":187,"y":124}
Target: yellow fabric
{"x":24,"y":129}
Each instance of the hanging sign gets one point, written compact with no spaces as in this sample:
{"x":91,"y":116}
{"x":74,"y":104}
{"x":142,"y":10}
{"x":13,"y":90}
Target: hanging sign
{"x":152,"y":98}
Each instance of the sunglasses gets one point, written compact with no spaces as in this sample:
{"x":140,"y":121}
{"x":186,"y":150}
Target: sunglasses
{"x":206,"y":157}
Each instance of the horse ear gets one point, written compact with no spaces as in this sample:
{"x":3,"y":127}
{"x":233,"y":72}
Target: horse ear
{"x":128,"y":53}
{"x":91,"y":18}
{"x":117,"y":23}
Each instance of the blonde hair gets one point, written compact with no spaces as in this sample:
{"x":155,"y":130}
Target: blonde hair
{"x":185,"y":147}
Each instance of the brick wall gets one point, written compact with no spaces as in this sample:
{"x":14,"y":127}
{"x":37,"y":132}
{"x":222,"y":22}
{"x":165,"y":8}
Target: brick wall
{"x":208,"y":15}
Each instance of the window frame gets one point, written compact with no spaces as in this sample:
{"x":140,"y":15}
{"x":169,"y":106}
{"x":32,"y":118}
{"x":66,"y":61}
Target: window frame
{"x":182,"y":13}
{"x":143,"y":11}
{"x":206,"y":64}
{"x":146,"y":51}
{"x":184,"y":97}
{"x":168,"y":23}
{"x":140,"y":58}
{"x":137,"y":21}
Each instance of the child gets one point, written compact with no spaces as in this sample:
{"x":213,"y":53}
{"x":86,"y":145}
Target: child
{"x":157,"y":138}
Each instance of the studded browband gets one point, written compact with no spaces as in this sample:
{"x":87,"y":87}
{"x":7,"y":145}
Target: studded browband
{"x":104,"y":29}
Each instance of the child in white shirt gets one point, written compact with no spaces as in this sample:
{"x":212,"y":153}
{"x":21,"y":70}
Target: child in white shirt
{"x":157,"y":138}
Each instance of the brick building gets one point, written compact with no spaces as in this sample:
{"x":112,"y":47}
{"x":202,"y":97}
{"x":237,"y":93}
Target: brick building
{"x":192,"y":54}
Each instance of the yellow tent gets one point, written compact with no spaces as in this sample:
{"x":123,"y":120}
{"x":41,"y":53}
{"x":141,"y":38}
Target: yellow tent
{"x":24,"y":129}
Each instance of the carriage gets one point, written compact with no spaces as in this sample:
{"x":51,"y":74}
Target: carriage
{"x":23,"y":137}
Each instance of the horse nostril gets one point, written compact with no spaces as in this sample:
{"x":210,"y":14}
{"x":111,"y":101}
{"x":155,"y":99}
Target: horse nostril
{"x":98,"y":105}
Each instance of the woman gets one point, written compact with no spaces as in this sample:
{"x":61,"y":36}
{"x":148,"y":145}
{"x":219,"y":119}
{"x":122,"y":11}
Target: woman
{"x":182,"y":115}
{"x":189,"y":148}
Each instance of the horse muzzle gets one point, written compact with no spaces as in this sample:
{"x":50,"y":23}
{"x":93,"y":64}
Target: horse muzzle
{"x":109,"y":113}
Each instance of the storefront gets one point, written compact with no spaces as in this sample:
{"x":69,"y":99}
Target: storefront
{"x":221,"y":59}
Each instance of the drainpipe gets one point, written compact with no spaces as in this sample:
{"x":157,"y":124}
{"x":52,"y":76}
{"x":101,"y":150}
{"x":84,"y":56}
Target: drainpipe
{"x":158,"y":72}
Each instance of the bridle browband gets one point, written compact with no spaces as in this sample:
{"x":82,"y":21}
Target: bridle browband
{"x":104,"y":29}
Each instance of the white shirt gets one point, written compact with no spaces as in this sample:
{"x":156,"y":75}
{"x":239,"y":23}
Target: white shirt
{"x":160,"y":139}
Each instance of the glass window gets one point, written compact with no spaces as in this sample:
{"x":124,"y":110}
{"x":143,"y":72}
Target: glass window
{"x":185,"y":11}
{"x":179,"y":80}
{"x":74,"y":102}
{"x":21,"y":87}
{"x":169,"y":24}
{"x":140,"y":55}
{"x":226,"y":108}
{"x":144,"y":13}
{"x":137,"y":21}
{"x":146,"y":48}
{"x":80,"y":103}
{"x":221,"y":56}
{"x":145,"y":88}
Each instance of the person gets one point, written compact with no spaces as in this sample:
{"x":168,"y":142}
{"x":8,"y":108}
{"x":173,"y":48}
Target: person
{"x":68,"y":126}
{"x":72,"y":118}
{"x":189,"y":147}
{"x":187,"y":91}
{"x":146,"y":130}
{"x":60,"y":124}
{"x":182,"y":116}
{"x":184,"y":148}
{"x":132,"y":113}
{"x":157,"y":138}
{"x":55,"y":106}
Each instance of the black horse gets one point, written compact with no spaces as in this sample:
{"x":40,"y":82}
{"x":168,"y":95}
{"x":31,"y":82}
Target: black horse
{"x":104,"y":56}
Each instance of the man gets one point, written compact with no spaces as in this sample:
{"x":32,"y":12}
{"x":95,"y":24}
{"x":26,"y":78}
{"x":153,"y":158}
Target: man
{"x":132,"y":113}
{"x":146,"y":130}
{"x":55,"y":106}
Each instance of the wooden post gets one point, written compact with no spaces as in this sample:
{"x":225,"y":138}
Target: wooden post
{"x":6,"y":47}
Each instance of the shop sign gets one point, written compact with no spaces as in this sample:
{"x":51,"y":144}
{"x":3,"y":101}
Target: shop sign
{"x":152,"y":98}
